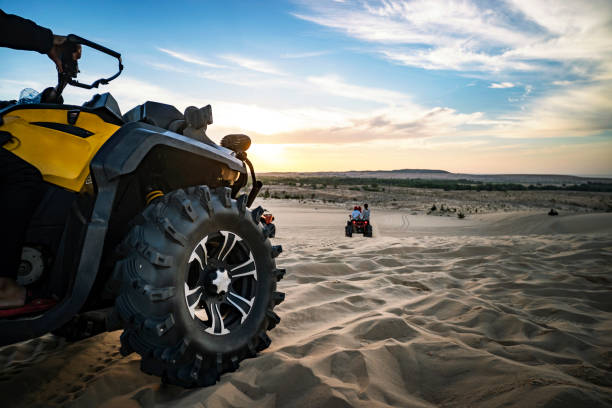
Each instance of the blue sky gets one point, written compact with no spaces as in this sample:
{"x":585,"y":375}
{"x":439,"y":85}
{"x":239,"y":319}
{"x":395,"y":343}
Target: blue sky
{"x":511,"y":86}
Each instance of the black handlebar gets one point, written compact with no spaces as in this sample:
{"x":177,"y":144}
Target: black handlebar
{"x":70,"y":66}
{"x":80,"y":40}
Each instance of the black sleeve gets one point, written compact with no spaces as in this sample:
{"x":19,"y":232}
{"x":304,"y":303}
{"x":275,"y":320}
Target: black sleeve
{"x":22,"y":34}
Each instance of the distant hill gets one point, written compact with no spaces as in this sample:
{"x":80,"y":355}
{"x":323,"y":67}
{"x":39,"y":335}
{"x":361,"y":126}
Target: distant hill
{"x":547,"y":179}
{"x":420,"y":171}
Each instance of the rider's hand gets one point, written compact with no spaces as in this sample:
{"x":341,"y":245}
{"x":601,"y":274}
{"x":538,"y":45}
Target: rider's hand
{"x":55,"y":53}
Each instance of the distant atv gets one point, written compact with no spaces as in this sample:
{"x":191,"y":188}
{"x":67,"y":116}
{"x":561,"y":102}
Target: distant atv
{"x":142,"y":228}
{"x":268,"y":226}
{"x":358,"y":226}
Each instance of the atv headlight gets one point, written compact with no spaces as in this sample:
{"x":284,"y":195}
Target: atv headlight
{"x":230,"y":175}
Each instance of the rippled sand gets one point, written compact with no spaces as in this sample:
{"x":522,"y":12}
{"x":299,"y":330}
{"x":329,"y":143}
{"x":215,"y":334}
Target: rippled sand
{"x":510,"y":309}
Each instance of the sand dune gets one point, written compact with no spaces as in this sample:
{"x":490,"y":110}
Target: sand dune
{"x":511,"y":309}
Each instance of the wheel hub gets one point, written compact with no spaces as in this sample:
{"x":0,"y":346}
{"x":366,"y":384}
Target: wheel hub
{"x":221,"y":285}
{"x":222,"y":281}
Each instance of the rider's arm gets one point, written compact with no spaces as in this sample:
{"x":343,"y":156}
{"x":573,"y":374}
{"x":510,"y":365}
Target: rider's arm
{"x":22,"y":34}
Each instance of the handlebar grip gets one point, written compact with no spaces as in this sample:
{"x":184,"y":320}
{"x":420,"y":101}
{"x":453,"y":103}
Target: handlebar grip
{"x":70,"y":66}
{"x":80,"y":40}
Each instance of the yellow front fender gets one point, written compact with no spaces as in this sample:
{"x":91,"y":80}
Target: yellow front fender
{"x":60,"y":150}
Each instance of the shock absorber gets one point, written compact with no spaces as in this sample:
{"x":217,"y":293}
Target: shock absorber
{"x":152,"y":195}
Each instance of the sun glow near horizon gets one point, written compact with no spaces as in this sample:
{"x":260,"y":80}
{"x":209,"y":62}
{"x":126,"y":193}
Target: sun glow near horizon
{"x":578,"y":160}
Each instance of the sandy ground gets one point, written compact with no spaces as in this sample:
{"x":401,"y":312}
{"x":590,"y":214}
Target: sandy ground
{"x":503,"y":309}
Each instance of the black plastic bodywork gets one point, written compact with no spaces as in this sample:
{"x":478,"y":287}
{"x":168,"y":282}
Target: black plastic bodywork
{"x":154,"y":113}
{"x":47,"y":225}
{"x":122,"y":169}
{"x":73,"y":130}
{"x":102,"y":105}
{"x":105,"y":106}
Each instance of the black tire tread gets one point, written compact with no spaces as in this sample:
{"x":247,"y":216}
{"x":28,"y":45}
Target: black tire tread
{"x":145,"y":300}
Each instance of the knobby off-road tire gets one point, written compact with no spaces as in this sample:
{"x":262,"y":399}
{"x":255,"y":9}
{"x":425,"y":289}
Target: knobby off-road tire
{"x":348,"y":230}
{"x":367,"y":231}
{"x":198,"y":286}
{"x":269,"y":230}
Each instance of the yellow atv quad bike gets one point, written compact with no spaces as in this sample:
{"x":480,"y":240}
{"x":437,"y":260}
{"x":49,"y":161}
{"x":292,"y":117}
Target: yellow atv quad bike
{"x":142,"y":228}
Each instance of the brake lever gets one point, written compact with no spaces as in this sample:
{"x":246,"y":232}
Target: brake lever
{"x":70,"y":67}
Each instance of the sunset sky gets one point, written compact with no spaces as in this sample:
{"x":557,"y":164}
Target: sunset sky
{"x":514,"y":86}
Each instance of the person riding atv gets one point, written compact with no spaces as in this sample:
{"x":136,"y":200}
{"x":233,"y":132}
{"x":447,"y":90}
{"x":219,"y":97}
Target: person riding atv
{"x":357,"y":223}
{"x":139,"y":225}
{"x":21,"y":184}
{"x":365,"y":213}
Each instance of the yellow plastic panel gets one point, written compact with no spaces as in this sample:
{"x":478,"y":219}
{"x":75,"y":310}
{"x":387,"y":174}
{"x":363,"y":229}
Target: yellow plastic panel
{"x":62,"y":158}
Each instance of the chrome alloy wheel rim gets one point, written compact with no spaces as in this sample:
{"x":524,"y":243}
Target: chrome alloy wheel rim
{"x":221,"y":281}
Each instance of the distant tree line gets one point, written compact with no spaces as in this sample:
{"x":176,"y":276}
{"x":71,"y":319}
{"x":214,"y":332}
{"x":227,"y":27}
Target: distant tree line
{"x":378,"y":184}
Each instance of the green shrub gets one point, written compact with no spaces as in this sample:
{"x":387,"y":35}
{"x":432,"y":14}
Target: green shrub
{"x":460,"y":184}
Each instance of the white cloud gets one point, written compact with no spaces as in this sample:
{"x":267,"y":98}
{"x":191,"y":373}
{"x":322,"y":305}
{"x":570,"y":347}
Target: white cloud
{"x":309,"y":54}
{"x":572,"y":111}
{"x":528,"y":89}
{"x":230,"y":75}
{"x":415,"y":22}
{"x":244,"y":79}
{"x":569,"y":41}
{"x":466,"y":35}
{"x":326,"y":84}
{"x":459,"y":58}
{"x":190,"y":58}
{"x":386,"y":124}
{"x":501,"y":85}
{"x":563,"y":17}
{"x":267,"y":122}
{"x":336,"y":86}
{"x":253,"y":65}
